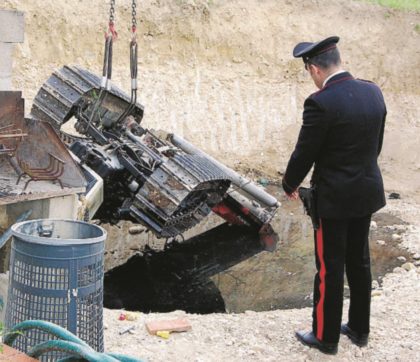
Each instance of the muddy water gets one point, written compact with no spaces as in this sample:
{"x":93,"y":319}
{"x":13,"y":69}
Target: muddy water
{"x":226,"y":269}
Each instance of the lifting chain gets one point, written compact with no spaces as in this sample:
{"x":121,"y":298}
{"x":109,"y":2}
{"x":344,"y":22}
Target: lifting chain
{"x":111,"y":25}
{"x":133,"y":15}
{"x":112,"y":12}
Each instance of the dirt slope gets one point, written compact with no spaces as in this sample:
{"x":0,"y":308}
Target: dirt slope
{"x":221,"y":72}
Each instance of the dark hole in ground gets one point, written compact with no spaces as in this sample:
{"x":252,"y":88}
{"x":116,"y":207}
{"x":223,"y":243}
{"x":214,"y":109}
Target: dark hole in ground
{"x":180,"y":278}
{"x":226,"y":270}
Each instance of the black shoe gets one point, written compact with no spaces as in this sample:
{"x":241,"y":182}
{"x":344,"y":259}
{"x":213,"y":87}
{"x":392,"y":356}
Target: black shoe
{"x":308,"y":339}
{"x":359,"y":339}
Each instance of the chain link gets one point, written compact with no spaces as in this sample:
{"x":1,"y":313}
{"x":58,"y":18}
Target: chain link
{"x":133,"y":14}
{"x":112,"y":12}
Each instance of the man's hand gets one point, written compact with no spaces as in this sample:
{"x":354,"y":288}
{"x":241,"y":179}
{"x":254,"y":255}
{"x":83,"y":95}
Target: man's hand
{"x":293,"y":196}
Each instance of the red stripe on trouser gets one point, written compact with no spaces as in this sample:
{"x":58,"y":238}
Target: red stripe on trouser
{"x":322,"y":271}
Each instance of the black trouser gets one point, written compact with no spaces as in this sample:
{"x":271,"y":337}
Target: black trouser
{"x":340,"y":243}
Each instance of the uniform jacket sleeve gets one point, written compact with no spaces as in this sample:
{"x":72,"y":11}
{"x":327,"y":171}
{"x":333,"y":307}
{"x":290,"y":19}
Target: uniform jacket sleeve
{"x":311,"y":138}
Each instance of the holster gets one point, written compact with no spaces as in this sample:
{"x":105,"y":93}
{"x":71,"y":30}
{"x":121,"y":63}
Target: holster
{"x":308,"y":197}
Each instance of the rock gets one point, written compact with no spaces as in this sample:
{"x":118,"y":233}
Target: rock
{"x":396,"y":237}
{"x":373,"y":225}
{"x":399,"y":270}
{"x":408,"y":266}
{"x":380,"y":242}
{"x":375,"y":284}
{"x":416,"y":256}
{"x":417,"y":263}
{"x":376,"y":293}
{"x":133,"y":230}
{"x":394,"y":196}
{"x":402,"y":258}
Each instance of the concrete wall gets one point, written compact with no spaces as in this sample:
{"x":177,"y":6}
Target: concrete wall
{"x":11,"y":31}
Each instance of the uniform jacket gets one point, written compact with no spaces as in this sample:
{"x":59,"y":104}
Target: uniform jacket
{"x":342,"y":133}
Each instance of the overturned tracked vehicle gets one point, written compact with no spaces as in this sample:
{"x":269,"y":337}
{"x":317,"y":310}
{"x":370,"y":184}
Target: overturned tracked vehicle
{"x":152,"y":178}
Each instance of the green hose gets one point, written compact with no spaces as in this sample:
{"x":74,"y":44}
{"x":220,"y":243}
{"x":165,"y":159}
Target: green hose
{"x":72,"y":348}
{"x":44,"y":326}
{"x":123,"y":358}
{"x":68,"y":343}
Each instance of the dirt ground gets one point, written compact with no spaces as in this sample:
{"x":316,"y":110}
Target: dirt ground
{"x":220,"y":73}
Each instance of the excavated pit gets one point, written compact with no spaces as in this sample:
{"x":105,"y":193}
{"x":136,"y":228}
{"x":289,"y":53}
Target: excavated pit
{"x":225,"y":269}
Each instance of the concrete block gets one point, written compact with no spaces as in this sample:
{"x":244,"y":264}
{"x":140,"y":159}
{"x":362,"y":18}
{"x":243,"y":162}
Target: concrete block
{"x":6,"y":66}
{"x":5,"y":83}
{"x":12,"y":26}
{"x":6,"y":57}
{"x":64,"y":207}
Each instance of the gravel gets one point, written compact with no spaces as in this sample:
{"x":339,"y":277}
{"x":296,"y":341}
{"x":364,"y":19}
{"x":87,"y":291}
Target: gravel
{"x":269,"y":336}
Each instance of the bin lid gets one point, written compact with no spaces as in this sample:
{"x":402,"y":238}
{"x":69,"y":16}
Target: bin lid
{"x":58,"y":232}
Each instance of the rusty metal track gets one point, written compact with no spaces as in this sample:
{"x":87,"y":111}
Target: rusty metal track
{"x":172,"y":191}
{"x":57,"y":97}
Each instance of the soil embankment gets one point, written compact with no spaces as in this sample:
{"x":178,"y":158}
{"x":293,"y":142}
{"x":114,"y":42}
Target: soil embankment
{"x":221,"y":73}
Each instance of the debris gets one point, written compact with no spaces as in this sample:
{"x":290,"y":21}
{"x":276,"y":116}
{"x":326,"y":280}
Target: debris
{"x":122,"y":317}
{"x":127,"y":330}
{"x":131,"y":316}
{"x":263,"y":182}
{"x":11,"y":134}
{"x":163,"y":334}
{"x":402,"y":258}
{"x":380,"y":242}
{"x":52,"y":172}
{"x":373,"y":225}
{"x":268,"y":237}
{"x":175,"y":325}
{"x":394,"y":196}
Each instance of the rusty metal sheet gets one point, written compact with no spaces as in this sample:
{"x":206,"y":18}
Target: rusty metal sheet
{"x":11,"y":113}
{"x":42,"y":140}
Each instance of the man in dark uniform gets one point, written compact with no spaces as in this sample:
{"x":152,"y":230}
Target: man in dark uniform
{"x":341,"y":134}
